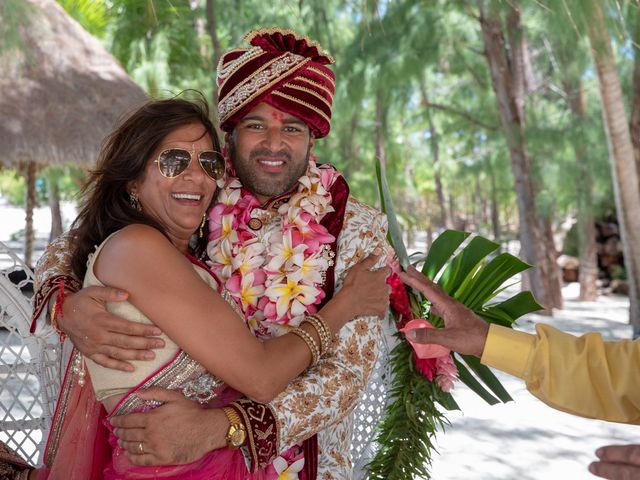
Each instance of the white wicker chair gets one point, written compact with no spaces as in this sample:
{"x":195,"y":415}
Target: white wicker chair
{"x":30,"y":365}
{"x":371,"y":407}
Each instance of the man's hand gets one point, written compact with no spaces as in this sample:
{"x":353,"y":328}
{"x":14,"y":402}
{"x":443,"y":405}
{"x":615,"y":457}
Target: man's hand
{"x":617,"y":462}
{"x":104,"y":338}
{"x":176,"y":433}
{"x":464,"y":331}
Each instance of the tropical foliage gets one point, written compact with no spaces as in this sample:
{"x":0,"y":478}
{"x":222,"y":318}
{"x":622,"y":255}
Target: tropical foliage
{"x":470,"y":270}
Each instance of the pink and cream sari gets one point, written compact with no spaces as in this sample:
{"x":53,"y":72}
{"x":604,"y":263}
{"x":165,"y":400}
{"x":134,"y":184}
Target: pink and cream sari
{"x":82,"y":445}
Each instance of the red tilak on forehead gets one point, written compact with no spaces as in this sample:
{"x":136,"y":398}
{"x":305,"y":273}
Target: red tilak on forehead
{"x":278,"y":116}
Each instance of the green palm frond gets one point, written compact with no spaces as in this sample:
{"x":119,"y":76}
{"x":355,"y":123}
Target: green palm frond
{"x":469,"y":269}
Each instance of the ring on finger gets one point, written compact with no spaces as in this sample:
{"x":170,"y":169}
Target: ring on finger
{"x":141,"y":448}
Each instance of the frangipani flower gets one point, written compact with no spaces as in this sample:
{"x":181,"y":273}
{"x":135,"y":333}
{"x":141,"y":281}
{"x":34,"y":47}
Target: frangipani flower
{"x":245,"y":289}
{"x":291,"y":296}
{"x":310,"y":270}
{"x":220,"y":254}
{"x":286,"y":471}
{"x":285,"y":253}
{"x":249,"y":257}
{"x":310,"y":233}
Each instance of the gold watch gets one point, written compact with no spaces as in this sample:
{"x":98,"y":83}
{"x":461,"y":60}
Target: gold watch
{"x":237,"y":433}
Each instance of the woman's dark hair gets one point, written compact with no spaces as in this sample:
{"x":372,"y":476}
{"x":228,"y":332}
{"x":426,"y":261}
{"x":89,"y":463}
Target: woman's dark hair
{"x":105,"y":205}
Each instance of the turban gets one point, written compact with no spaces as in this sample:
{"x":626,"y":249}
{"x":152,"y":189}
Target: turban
{"x":282,"y":69}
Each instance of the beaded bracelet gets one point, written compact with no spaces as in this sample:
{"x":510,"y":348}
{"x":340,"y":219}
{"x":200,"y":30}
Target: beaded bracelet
{"x":311,"y":343}
{"x":320,"y":326}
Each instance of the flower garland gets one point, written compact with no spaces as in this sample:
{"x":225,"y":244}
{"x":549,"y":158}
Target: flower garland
{"x":275,"y":277}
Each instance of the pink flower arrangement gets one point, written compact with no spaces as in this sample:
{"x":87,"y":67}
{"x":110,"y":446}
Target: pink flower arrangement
{"x":432,"y":361}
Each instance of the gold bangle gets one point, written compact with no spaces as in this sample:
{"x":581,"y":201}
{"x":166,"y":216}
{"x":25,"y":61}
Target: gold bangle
{"x":311,"y":343}
{"x":320,"y":326}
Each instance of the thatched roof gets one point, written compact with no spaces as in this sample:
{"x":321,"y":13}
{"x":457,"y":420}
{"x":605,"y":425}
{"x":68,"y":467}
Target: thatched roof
{"x":60,"y":90}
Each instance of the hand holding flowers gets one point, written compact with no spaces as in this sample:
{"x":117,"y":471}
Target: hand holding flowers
{"x":464,"y":331}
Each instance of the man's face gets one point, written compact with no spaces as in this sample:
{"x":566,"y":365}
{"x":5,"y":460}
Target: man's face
{"x":270,"y":151}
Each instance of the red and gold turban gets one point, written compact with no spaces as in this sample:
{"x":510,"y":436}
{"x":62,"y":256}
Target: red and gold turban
{"x":283,"y":69}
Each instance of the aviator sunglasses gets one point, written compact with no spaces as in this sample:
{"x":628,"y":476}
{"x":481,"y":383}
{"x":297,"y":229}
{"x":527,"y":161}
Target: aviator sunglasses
{"x":174,"y":161}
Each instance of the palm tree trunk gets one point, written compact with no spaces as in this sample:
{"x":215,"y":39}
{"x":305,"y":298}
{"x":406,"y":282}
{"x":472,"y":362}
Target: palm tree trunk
{"x":623,"y":165}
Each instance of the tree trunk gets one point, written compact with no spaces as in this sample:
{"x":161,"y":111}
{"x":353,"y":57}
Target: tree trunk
{"x":351,"y":154}
{"x":635,"y":105}
{"x":623,"y":165}
{"x":588,"y":273}
{"x":541,"y":278}
{"x":30,"y":206}
{"x":217,"y":53}
{"x":54,"y":205}
{"x":445,"y":213}
{"x":495,"y":209}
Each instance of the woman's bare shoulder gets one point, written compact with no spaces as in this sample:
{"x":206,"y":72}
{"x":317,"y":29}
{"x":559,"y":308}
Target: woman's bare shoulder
{"x":131,"y":248}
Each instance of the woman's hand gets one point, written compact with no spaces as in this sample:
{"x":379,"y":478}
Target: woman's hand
{"x":364,"y":293}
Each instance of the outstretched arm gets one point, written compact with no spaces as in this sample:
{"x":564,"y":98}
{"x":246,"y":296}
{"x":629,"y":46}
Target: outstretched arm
{"x":585,"y":375}
{"x":105,"y":338}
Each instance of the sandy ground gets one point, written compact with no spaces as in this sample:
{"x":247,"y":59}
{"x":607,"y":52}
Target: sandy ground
{"x":521,"y":440}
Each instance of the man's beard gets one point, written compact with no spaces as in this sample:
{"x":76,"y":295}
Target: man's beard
{"x":264,"y":186}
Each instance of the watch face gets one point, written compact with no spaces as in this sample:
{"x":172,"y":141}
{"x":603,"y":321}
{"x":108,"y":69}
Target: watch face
{"x":237,"y":437}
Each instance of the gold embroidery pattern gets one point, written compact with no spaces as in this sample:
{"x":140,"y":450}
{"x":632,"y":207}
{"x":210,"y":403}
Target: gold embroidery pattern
{"x":55,"y":263}
{"x":269,"y":74}
{"x":308,"y":105}
{"x":315,"y":84}
{"x":309,"y":91}
{"x":338,"y":381}
{"x":321,"y":73}
{"x":180,"y":371}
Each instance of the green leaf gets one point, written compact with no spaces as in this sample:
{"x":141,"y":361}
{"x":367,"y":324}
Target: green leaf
{"x":487,"y":376}
{"x":441,"y":250}
{"x":516,"y":306}
{"x":395,"y":234}
{"x":489,"y":278}
{"x":465,"y":263}
{"x":470,"y":381}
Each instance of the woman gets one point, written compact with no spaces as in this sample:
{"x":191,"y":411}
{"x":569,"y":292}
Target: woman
{"x":155,"y":180}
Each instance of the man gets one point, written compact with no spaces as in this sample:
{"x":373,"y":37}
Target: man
{"x":275,"y":100}
{"x":583,"y":376}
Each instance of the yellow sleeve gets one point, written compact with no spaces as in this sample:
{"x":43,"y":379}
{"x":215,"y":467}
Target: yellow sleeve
{"x":584,"y":375}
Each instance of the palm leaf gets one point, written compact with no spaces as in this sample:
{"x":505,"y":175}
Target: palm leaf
{"x":441,"y":250}
{"x":487,"y":376}
{"x":395,"y":234}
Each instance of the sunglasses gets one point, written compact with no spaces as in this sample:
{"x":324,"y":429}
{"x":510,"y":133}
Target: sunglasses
{"x":174,"y":161}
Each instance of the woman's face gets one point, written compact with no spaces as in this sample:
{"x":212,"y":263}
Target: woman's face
{"x":178,"y":203}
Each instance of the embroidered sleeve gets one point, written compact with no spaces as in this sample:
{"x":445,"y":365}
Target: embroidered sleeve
{"x":54,"y":265}
{"x":328,"y":392}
